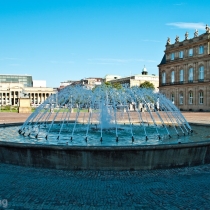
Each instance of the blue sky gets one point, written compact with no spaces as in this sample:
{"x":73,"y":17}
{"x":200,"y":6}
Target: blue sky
{"x":73,"y":39}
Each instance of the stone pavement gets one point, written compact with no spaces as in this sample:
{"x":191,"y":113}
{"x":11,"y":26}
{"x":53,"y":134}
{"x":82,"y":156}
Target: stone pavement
{"x":191,"y":117}
{"x":33,"y":188}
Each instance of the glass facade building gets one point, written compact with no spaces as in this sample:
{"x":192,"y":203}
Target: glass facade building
{"x":26,"y":80}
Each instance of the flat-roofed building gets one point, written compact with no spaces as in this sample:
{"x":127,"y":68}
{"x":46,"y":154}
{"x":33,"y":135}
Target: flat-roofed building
{"x":110,"y":77}
{"x":184,"y":72}
{"x":39,"y":83}
{"x":138,"y":79}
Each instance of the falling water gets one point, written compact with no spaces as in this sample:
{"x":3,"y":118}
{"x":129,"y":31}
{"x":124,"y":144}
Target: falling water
{"x":134,"y":113}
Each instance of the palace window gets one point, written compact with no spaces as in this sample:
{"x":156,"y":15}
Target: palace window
{"x":181,"y":98}
{"x":201,"y":73}
{"x":190,"y":75}
{"x":163,"y":78}
{"x":190,"y":52}
{"x":181,"y":54}
{"x":190,"y":97}
{"x":172,"y":77}
{"x":172,"y":56}
{"x":172,"y":97}
{"x":201,"y":49}
{"x":181,"y":75}
{"x":201,"y":97}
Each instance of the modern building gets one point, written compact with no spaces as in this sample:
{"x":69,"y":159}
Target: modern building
{"x":138,"y":79}
{"x":26,"y":80}
{"x":12,"y":86}
{"x":184,"y":72}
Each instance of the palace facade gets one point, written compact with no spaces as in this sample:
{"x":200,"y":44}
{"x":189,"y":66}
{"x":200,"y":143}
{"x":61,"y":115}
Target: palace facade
{"x":184,"y":72}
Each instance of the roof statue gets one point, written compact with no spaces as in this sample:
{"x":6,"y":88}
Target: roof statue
{"x":168,"y":41}
{"x":186,"y":35}
{"x":196,"y":33}
{"x":177,"y":39}
{"x":207,"y":29}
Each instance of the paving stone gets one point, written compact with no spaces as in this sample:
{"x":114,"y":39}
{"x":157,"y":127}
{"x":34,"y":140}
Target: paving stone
{"x":34,"y":188}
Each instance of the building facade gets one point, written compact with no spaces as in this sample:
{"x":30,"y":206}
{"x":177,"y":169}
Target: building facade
{"x":12,"y":86}
{"x":184,"y":72}
{"x":110,"y":77}
{"x":91,"y":82}
{"x":138,"y":79}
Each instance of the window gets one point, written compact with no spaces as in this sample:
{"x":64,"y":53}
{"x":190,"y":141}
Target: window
{"x":181,"y":75}
{"x":172,"y":97}
{"x":190,"y":97}
{"x":201,"y":73}
{"x":181,"y":98}
{"x":172,"y":56}
{"x":201,"y":49}
{"x":163,"y":78}
{"x":190,"y":75}
{"x":172,"y":77}
{"x":181,"y":54}
{"x":201,"y":97}
{"x":191,"y":52}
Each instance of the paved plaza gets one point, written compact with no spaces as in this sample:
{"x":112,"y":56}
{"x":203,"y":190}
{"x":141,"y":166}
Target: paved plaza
{"x":35,"y":188}
{"x":191,"y":117}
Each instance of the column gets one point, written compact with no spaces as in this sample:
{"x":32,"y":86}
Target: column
{"x":206,"y":70}
{"x":195,"y":99}
{"x":195,"y":72}
{"x":10,"y":99}
{"x":186,"y":73}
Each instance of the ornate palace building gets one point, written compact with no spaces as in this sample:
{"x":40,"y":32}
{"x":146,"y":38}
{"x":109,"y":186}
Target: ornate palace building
{"x":184,"y":72}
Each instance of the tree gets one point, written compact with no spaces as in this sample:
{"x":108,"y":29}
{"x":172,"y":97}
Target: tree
{"x":108,"y":84}
{"x":113,"y":85}
{"x":147,"y":84}
{"x":117,"y":85}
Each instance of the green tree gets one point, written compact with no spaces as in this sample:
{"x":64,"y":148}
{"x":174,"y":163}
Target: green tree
{"x":108,"y":84}
{"x":147,"y":84}
{"x":117,"y":85}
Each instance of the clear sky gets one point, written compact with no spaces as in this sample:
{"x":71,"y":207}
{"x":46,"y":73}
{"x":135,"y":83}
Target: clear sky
{"x":59,"y":40}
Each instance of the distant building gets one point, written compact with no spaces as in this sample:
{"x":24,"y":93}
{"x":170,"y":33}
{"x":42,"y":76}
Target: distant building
{"x":39,"y":83}
{"x":66,"y":83}
{"x":110,"y":77}
{"x":91,"y":82}
{"x":138,"y":79}
{"x":26,"y":80}
{"x":88,"y":83}
{"x":184,"y":72}
{"x":12,"y":86}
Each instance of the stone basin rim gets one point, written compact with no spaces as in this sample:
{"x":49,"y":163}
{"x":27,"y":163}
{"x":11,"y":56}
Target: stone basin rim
{"x":105,"y":148}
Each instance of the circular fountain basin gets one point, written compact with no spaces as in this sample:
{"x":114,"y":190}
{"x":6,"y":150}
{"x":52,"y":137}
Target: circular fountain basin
{"x":107,"y":129}
{"x":189,"y":150}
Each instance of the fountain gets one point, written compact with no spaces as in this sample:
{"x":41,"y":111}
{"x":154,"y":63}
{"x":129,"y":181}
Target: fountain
{"x":106,"y":128}
{"x":105,"y":110}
